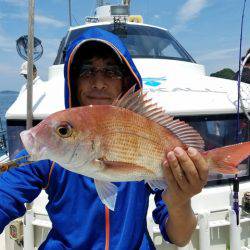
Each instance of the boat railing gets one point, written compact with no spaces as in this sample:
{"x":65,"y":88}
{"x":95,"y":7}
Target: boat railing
{"x":3,"y":138}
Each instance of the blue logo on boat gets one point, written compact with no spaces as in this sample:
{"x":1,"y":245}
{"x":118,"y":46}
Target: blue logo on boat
{"x":153,"y":81}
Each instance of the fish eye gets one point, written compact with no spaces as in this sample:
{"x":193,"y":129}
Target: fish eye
{"x":64,"y":130}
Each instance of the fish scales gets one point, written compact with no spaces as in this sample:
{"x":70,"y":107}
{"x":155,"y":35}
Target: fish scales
{"x":117,"y":119}
{"x":148,"y":155}
{"x":130,"y":138}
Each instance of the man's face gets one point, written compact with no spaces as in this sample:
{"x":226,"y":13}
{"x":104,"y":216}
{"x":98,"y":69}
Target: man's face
{"x":34,"y":75}
{"x":99,"y":83}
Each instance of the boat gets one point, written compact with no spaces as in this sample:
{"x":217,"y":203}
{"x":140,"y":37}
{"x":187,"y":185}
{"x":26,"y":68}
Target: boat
{"x":180,"y":85}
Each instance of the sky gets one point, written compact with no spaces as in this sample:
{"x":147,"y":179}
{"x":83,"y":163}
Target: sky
{"x":208,"y":29}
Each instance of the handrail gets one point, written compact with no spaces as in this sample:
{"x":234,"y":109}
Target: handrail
{"x":3,"y":140}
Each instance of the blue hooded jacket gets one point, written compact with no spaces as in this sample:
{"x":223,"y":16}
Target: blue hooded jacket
{"x":79,"y":218}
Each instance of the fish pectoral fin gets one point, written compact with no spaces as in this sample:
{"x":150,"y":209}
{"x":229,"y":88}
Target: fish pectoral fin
{"x":99,"y":164}
{"x":107,"y":192}
{"x":157,"y":184}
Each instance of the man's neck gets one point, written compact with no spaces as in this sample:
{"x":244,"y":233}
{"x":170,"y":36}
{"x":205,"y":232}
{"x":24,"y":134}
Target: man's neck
{"x":35,"y":79}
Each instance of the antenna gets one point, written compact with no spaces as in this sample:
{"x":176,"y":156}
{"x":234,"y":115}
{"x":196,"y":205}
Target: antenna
{"x":126,"y":2}
{"x":236,"y":180}
{"x":30,"y":64}
{"x":70,"y":20}
{"x":99,"y":3}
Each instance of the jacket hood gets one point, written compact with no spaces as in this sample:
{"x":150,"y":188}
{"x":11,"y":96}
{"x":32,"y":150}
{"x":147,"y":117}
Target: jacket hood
{"x":102,"y":36}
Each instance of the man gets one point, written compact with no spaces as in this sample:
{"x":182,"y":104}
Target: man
{"x":24,"y":73}
{"x":98,"y":68}
{"x":24,"y":70}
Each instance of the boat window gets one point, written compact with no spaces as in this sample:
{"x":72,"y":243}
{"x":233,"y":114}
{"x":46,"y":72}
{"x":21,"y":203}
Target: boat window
{"x":14,"y":128}
{"x":14,"y":140}
{"x":141,"y":41}
{"x":218,"y":131}
{"x":61,"y":53}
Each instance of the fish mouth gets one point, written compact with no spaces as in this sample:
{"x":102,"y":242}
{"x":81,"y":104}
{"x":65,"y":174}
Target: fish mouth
{"x":28,"y":140}
{"x":34,"y":147}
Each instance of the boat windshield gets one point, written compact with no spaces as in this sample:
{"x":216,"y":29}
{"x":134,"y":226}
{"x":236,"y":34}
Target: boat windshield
{"x":141,"y":41}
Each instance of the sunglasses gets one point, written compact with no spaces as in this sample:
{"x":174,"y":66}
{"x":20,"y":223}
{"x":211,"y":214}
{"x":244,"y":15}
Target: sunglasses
{"x":87,"y":71}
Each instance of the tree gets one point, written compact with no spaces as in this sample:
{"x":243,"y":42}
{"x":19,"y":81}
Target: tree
{"x":224,"y":73}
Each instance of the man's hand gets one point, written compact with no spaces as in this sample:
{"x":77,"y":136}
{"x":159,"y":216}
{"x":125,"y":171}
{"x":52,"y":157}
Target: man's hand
{"x":186,"y":174}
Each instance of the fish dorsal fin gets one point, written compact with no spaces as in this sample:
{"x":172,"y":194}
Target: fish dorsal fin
{"x":139,"y":103}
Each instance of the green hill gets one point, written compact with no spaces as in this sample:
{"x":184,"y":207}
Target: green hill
{"x":224,"y":73}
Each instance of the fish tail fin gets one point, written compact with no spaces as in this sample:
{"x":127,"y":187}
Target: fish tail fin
{"x":226,"y":159}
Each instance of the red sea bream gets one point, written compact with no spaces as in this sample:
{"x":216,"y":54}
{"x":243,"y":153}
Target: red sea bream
{"x":125,"y":141}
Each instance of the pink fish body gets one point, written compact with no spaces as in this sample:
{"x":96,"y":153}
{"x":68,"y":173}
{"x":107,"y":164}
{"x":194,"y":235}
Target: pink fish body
{"x":123,"y":142}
